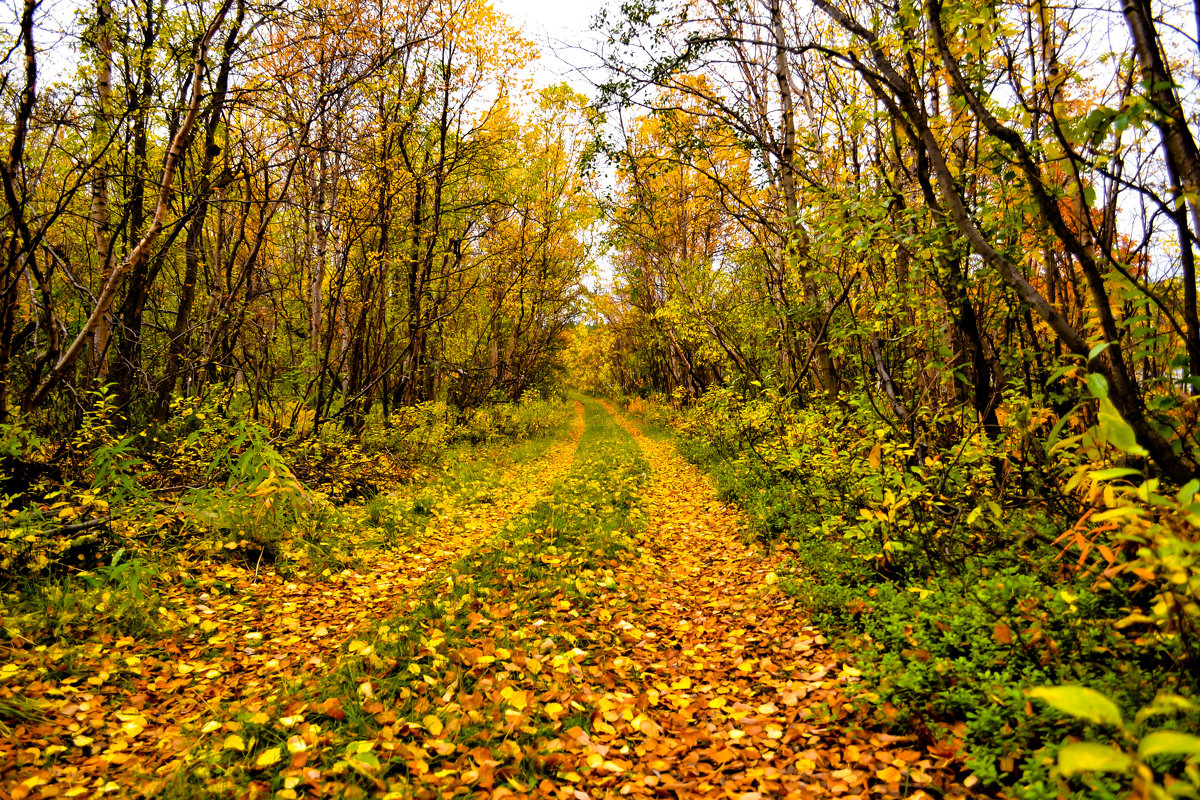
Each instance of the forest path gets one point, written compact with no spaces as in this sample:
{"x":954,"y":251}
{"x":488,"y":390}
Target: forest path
{"x":126,"y":714}
{"x":605,"y":626}
{"x":625,"y":638}
{"x":744,"y":697}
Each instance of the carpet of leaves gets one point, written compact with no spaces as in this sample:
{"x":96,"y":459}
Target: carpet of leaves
{"x":615,"y":633}
{"x":120,"y":716}
{"x":736,"y":696}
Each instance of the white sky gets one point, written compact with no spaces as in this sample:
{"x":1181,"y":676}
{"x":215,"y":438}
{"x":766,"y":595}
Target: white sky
{"x":560,"y":28}
{"x":557,"y":26}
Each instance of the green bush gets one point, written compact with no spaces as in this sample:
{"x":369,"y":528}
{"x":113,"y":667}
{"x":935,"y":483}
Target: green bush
{"x":412,"y":434}
{"x":494,"y":421}
{"x":120,"y":597}
{"x":937,"y":555}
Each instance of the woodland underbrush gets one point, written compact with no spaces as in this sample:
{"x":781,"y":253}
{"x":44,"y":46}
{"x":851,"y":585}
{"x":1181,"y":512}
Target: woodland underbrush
{"x":93,"y":523}
{"x":1032,"y":595}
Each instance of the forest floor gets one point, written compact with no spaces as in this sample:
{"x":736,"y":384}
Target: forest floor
{"x":581,"y":618}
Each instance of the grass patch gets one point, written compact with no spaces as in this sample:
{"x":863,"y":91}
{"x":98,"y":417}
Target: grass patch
{"x":469,"y":476}
{"x":471,"y":686}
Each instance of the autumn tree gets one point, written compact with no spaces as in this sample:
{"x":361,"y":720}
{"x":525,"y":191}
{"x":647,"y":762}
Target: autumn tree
{"x":314,"y":205}
{"x":976,"y":154}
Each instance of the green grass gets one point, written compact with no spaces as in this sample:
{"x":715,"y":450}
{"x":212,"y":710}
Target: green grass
{"x":516,"y":593}
{"x":469,"y":475}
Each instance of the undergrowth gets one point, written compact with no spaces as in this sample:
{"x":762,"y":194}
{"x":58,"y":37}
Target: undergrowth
{"x":92,"y":526}
{"x":966,"y":571}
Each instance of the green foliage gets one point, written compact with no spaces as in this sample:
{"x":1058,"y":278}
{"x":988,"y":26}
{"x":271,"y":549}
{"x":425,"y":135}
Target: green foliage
{"x":419,"y":435}
{"x":504,"y":420}
{"x":18,"y":441}
{"x":119,"y":597}
{"x":51,"y":525}
{"x":413,"y":434}
{"x":1145,"y":758}
{"x":260,"y":502}
{"x":80,"y":544}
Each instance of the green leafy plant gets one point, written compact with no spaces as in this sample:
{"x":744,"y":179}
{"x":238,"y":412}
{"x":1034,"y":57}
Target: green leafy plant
{"x":1157,"y":763}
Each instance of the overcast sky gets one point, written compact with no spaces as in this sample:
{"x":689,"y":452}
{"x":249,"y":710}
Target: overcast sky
{"x":559,"y":27}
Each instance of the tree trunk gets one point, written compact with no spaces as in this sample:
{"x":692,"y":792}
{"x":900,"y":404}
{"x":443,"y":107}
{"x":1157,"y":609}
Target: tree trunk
{"x":825,"y":371}
{"x":101,"y":133}
{"x":138,"y":256}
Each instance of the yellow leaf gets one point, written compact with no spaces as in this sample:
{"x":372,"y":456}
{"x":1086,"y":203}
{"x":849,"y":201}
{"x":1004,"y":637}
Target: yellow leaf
{"x":648,"y":726}
{"x":233,"y":742}
{"x":889,"y":775}
{"x":210,"y":726}
{"x":267,"y":757}
{"x":433,"y":724}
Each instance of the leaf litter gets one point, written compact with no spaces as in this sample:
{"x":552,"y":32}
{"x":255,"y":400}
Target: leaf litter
{"x":120,"y":715}
{"x":611,"y":634}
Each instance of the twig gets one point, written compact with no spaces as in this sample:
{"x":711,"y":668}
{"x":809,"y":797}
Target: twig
{"x":76,"y":527}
